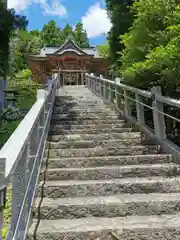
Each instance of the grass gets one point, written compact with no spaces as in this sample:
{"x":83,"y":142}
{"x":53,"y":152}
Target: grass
{"x":26,"y":98}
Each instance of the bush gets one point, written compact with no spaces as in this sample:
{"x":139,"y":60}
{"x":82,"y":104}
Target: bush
{"x":152,"y":52}
{"x":24,"y":73}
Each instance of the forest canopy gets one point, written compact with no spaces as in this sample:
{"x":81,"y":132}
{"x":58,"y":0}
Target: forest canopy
{"x":145,"y":43}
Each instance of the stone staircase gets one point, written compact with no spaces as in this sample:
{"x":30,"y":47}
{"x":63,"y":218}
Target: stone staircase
{"x":100,"y":180}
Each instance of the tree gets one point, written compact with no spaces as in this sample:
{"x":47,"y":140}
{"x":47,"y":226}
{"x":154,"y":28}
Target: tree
{"x":104,"y":50}
{"x":25,"y":43}
{"x":9,"y":22}
{"x":67,"y":32}
{"x":121,"y":17}
{"x":80,"y":36}
{"x":151,"y":57}
{"x":51,"y":34}
{"x":36,"y":33}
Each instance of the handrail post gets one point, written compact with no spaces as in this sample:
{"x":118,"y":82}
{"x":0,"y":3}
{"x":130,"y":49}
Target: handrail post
{"x":92,"y":83}
{"x":82,"y":78}
{"x":106,"y":91}
{"x":59,"y":79}
{"x":139,"y":109}
{"x":159,"y":120}
{"x":126,"y":103}
{"x":101,"y":85}
{"x":118,"y":98}
{"x":112,"y":93}
{"x":95,"y":85}
{"x":98,"y":85}
{"x":89,"y":82}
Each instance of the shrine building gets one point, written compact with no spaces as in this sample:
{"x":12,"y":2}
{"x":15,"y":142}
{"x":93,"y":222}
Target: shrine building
{"x":69,"y":60}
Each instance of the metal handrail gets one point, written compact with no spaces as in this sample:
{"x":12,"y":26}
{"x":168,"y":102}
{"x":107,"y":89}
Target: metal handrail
{"x":20,"y":162}
{"x":123,"y":97}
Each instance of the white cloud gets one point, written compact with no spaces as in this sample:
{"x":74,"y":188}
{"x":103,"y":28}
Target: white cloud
{"x":96,"y":21}
{"x":55,"y":8}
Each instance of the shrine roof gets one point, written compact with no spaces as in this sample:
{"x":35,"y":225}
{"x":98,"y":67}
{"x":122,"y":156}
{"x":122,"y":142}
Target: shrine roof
{"x":68,"y":46}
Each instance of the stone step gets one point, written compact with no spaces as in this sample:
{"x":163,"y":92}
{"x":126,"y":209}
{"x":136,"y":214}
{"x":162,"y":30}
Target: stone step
{"x":81,"y":188}
{"x":111,"y":172}
{"x":56,"y":120}
{"x":79,"y":107}
{"x":83,"y":110}
{"x":96,"y":137}
{"x":110,"y":160}
{"x":106,"y":150}
{"x":93,"y":143}
{"x":67,"y":100}
{"x":107,"y":206}
{"x":57,"y":131}
{"x":70,"y":104}
{"x":83,"y":117}
{"x":163,"y":227}
{"x":67,"y":126}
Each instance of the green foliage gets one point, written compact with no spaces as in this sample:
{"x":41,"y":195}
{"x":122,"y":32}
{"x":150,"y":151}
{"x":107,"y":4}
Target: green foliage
{"x":152,"y":46}
{"x":25,"y":73}
{"x":104,"y":50}
{"x":9,"y":21}
{"x":51,"y":34}
{"x":24,"y":43}
{"x":66,"y":32}
{"x":80,"y":36}
{"x":121,"y":18}
{"x":26,"y":98}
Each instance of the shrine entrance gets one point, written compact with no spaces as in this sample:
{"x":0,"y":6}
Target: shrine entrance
{"x":71,"y":77}
{"x":69,"y":60}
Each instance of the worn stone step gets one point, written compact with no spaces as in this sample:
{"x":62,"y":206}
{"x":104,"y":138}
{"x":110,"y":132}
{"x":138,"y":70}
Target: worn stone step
{"x":75,"y":102}
{"x":106,"y":150}
{"x":107,"y":206}
{"x":82,"y":107}
{"x":86,"y":112}
{"x":93,"y":143}
{"x":88,"y":131}
{"x":110,"y":160}
{"x":96,"y":137}
{"x":111,"y":172}
{"x":81,"y":188}
{"x":83,"y":110}
{"x":87,"y":126}
{"x":83,"y":117}
{"x":57,"y":131}
{"x":55,"y":120}
{"x":163,"y":227}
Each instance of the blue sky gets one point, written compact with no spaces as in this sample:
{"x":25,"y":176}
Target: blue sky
{"x":91,"y":13}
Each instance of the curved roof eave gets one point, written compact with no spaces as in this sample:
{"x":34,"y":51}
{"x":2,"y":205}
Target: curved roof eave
{"x":71,"y":41}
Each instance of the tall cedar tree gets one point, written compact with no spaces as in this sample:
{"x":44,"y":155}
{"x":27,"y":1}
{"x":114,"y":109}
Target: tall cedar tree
{"x":121,"y":16}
